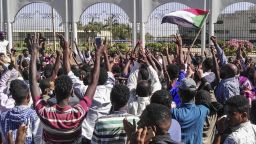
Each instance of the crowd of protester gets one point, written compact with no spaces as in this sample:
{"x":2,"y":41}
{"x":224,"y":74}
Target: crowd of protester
{"x":138,"y":97}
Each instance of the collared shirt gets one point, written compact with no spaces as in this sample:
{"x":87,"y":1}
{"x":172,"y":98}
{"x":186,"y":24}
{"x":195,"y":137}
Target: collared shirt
{"x":227,"y":88}
{"x":191,"y":119}
{"x":163,"y":139}
{"x":110,"y":129}
{"x":101,"y":104}
{"x":245,"y":133}
{"x":62,"y":124}
{"x":137,"y":104}
{"x":12,"y":119}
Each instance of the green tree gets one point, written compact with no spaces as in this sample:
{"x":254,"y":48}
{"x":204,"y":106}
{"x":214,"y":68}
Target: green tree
{"x":92,"y":29}
{"x":80,"y":26}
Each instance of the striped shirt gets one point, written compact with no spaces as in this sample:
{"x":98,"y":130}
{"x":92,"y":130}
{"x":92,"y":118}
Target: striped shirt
{"x":110,"y":129}
{"x":62,"y":124}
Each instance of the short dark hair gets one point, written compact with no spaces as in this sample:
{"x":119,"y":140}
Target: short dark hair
{"x":144,"y":73}
{"x":197,"y":60}
{"x":63,"y":87}
{"x":143,"y":88}
{"x":44,"y":84}
{"x":162,"y":97}
{"x":173,"y":71}
{"x":48,"y":70}
{"x":25,"y":63}
{"x":156,"y":114}
{"x":25,"y":74}
{"x":119,"y":96}
{"x":252,"y":112}
{"x":187,"y":95}
{"x":208,"y":63}
{"x":19,"y":90}
{"x":103,"y":77}
{"x":239,"y":103}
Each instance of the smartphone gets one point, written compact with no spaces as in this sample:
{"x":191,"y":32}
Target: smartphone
{"x":98,"y":41}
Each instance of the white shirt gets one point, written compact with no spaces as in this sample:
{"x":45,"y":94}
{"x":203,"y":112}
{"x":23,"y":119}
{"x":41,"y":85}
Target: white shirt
{"x":101,"y":104}
{"x":6,"y":100}
{"x":153,"y":76}
{"x":3,"y":46}
{"x":209,"y":76}
{"x":137,"y":104}
{"x":245,"y":133}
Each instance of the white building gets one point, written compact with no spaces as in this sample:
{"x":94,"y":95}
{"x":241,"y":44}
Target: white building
{"x":238,"y":25}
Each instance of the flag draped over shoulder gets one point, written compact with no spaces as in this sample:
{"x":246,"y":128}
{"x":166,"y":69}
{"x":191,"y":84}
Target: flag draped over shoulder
{"x":186,"y":17}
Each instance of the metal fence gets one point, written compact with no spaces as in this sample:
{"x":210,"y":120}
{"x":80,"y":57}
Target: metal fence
{"x":104,"y":20}
{"x":36,"y":17}
{"x":108,"y":20}
{"x":237,"y":21}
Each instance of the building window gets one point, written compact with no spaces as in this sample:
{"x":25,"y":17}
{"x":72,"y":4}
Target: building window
{"x":220,"y":22}
{"x":253,"y":21}
{"x":221,"y":31}
{"x":253,"y":31}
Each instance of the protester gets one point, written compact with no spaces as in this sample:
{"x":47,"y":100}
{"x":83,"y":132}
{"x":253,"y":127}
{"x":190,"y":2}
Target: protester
{"x":62,"y":123}
{"x":110,"y":129}
{"x":21,"y":114}
{"x":190,"y":116}
{"x":237,"y":119}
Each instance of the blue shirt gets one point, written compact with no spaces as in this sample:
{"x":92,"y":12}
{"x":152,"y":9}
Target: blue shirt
{"x":174,"y":90}
{"x":191,"y":119}
{"x":12,"y":119}
{"x":227,"y":88}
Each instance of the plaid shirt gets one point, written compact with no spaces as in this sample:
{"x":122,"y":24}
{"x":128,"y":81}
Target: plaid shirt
{"x":62,"y":124}
{"x":12,"y":119}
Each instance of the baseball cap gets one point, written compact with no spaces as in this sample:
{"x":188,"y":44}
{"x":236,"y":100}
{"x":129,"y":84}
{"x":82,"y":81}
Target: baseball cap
{"x":187,"y":84}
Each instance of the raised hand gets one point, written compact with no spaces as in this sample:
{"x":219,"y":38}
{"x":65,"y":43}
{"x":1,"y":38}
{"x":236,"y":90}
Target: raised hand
{"x":63,"y":42}
{"x":21,"y":136}
{"x":214,"y":39}
{"x":144,"y":135}
{"x":129,"y":128}
{"x":36,"y":46}
{"x":178,"y":40}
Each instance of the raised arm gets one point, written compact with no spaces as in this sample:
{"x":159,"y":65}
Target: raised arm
{"x":166,"y":75}
{"x":179,"y":46}
{"x":95,"y":75}
{"x":216,"y":68}
{"x":56,"y":66}
{"x":150,"y":60}
{"x":158,"y":65}
{"x":79,"y":52}
{"x":35,"y":92}
{"x":168,"y":56}
{"x":106,"y":59}
{"x":220,"y":52}
{"x":66,"y":53}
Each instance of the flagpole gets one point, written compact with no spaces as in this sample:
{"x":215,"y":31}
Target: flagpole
{"x":199,"y":31}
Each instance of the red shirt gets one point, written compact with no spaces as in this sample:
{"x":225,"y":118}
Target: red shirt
{"x":62,"y":124}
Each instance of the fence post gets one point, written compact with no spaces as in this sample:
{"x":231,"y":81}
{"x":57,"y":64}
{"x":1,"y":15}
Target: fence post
{"x":203,"y":33}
